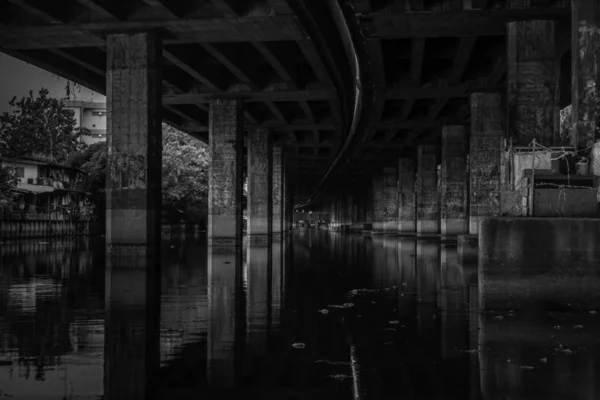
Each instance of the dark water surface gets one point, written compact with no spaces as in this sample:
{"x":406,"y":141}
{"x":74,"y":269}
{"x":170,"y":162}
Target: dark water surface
{"x":317,"y":316}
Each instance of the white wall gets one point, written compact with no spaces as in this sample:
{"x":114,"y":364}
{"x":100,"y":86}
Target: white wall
{"x":30,"y":170}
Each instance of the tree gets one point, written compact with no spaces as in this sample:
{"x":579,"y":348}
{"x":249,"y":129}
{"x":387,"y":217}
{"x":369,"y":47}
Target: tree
{"x":185,"y":164}
{"x":566,"y":125}
{"x":185,"y":174}
{"x":40,"y":127}
{"x":7,"y":182}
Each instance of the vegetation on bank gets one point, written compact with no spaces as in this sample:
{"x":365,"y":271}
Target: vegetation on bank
{"x":41,"y":127}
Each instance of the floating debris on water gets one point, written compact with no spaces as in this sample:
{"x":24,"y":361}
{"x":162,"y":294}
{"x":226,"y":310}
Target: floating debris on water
{"x":404,"y":284}
{"x":499,"y":317}
{"x":299,"y":345}
{"x":324,"y":311}
{"x":527,"y":367}
{"x":345,"y":305}
{"x":340,"y":377}
{"x":544,"y":360}
{"x":592,"y":312}
{"x":578,"y":327}
{"x":328,"y":362}
{"x":557,"y":327}
{"x":394,"y":322}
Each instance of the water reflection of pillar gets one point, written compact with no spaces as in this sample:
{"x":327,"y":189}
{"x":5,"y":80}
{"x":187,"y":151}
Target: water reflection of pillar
{"x":132,"y":336}
{"x":428,"y":258}
{"x":453,"y":304}
{"x":474,"y":369}
{"x":407,"y":257}
{"x":226,"y":319}
{"x":277,"y":277}
{"x":258,"y":305}
{"x":385,"y":273}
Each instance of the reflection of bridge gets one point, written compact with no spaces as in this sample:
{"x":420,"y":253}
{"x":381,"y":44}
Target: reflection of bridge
{"x":345,"y":91}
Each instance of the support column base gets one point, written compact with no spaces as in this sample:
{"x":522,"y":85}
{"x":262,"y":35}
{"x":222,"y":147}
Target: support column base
{"x":451,"y":228}
{"x":259,"y":240}
{"x":467,"y":249}
{"x":427,"y":228}
{"x":407,"y":227}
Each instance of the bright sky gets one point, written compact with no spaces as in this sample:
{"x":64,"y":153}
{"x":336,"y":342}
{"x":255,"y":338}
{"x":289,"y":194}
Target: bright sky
{"x":17,"y":78}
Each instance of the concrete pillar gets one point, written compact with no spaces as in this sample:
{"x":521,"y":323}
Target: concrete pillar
{"x":487,"y":133}
{"x":278,"y":195}
{"x":407,"y":221}
{"x":454,"y":181}
{"x":260,"y":197}
{"x":134,"y":140}
{"x":585,"y":95}
{"x":390,"y":200}
{"x":427,"y":191}
{"x":133,"y":216}
{"x":378,"y":202}
{"x":225,"y":192}
{"x":533,"y":83}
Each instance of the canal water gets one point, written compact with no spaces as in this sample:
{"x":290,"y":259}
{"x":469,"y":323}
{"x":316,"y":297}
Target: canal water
{"x":319,"y":315}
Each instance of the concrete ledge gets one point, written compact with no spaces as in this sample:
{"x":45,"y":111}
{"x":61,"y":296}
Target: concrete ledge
{"x":552,"y":263}
{"x":467,"y":248}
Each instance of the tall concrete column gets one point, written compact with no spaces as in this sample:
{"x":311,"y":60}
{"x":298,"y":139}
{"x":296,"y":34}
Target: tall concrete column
{"x":533,"y":83}
{"x":133,"y":202}
{"x":427,"y":191}
{"x":378,"y":212}
{"x":487,"y":133}
{"x":260,"y":197}
{"x":585,"y":92}
{"x":278,"y":195}
{"x":454,"y":181}
{"x":133,"y":198}
{"x":225,"y":186}
{"x":407,"y":220}
{"x":390,"y":200}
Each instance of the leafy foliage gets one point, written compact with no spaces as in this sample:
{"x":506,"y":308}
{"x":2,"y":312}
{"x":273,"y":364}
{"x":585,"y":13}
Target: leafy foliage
{"x":7,"y":182}
{"x":40,"y":127}
{"x":185,"y":174}
{"x":566,"y":125}
{"x":185,"y":164}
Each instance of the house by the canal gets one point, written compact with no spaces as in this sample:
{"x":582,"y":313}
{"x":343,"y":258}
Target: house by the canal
{"x":45,"y":191}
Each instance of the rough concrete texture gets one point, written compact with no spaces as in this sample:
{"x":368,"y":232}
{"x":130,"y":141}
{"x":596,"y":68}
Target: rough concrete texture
{"x":390,"y":200}
{"x":487,"y":132}
{"x":278,"y":192}
{"x":453,"y":182}
{"x":260,"y":168}
{"x":585,"y":57}
{"x":544,"y":262}
{"x":225,"y":178}
{"x":133,"y":195}
{"x":378,"y":202}
{"x":407,"y":217}
{"x":427,"y":191}
{"x":467,"y":246}
{"x":533,"y":82}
